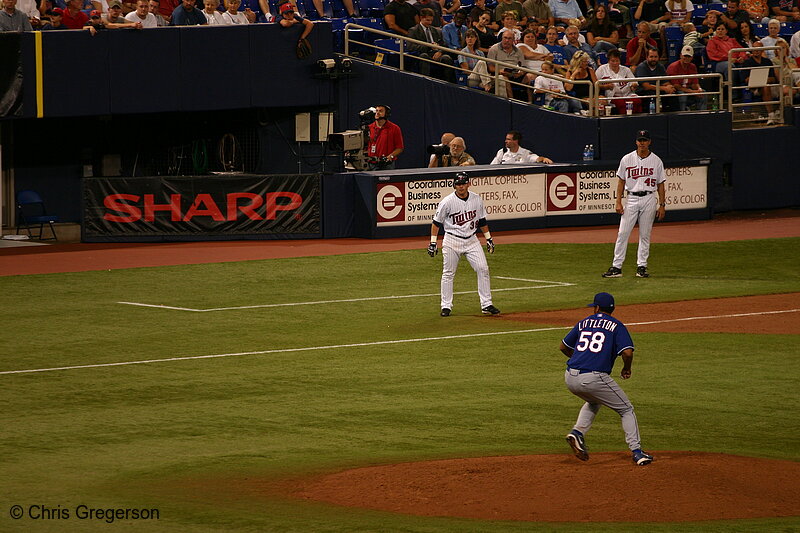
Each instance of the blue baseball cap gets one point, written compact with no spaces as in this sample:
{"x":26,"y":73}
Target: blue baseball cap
{"x":602,"y":299}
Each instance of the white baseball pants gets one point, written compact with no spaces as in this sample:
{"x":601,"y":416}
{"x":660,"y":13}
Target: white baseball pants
{"x":452,"y":249}
{"x":642,"y":209}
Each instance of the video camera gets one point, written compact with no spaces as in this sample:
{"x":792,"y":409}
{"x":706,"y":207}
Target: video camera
{"x":438,"y":149}
{"x":354,"y":143}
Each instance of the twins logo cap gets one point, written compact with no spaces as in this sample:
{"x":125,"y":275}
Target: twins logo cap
{"x":602,"y":299}
{"x":642,"y":135}
{"x":461,"y":179}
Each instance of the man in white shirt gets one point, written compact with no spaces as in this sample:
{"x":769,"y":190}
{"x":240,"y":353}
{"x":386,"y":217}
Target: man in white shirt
{"x":514,"y":154}
{"x":142,"y":15}
{"x":621,"y":92}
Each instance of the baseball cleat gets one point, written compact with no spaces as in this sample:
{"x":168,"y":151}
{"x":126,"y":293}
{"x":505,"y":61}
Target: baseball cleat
{"x":490,"y":310}
{"x":445,"y":312}
{"x":641,"y":458}
{"x":575,"y":440}
{"x":613,"y":272}
{"x":641,"y":272}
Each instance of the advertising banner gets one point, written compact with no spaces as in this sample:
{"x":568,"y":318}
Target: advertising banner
{"x":201,"y":206}
{"x":594,"y":191}
{"x":403,"y":203}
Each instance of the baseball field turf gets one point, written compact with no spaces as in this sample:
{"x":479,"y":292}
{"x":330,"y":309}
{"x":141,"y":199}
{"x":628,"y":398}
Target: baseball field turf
{"x":258,"y":371}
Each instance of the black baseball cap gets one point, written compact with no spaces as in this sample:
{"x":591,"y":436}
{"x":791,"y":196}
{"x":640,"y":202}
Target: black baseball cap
{"x":642,"y":135}
{"x":604,"y":300}
{"x":461,"y":179}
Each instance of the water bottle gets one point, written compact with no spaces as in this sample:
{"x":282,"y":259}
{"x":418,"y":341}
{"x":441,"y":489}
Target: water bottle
{"x":586,"y":156}
{"x":714,"y":103}
{"x":653,"y":106}
{"x":591,"y":152}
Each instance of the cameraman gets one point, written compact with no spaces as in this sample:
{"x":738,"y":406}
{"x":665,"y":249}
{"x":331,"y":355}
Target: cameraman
{"x":457,"y":156}
{"x":385,"y":141}
{"x":438,"y":150}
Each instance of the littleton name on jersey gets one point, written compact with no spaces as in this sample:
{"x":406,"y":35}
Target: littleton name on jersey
{"x":599,"y":323}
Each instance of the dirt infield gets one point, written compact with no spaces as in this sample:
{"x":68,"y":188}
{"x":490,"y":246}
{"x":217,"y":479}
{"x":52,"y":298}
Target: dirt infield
{"x":678,"y":486}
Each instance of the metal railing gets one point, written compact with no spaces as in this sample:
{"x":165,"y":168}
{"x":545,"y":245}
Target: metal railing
{"x":658,"y":96}
{"x":740,"y":111}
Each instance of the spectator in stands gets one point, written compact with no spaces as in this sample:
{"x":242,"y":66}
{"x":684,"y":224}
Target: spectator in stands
{"x":434,"y":6}
{"x":548,"y":86}
{"x":450,"y":7}
{"x":115,"y":20}
{"x":232,"y":14}
{"x":30,"y":9}
{"x":154,"y":9}
{"x":513,"y":7}
{"x":567,"y":12}
{"x":12,"y":19}
{"x":733,"y":18}
{"x":54,"y":20}
{"x":691,"y":37}
{"x":535,"y":54}
{"x":718,"y":47}
{"x":710,"y":21}
{"x":539,"y":30}
{"x":636,"y":51}
{"x":479,"y":9}
{"x":602,"y":34}
{"x":688,"y":87}
{"x":212,"y":13}
{"x":400,"y":17}
{"x":540,"y":11}
{"x":510,"y":25}
{"x":620,"y":15}
{"x":166,"y":7}
{"x":679,"y":11}
{"x":455,"y":32}
{"x":73,"y":18}
{"x":506,"y":52}
{"x":774,"y":28}
{"x":427,"y":32}
{"x":289,"y":18}
{"x":436,"y":160}
{"x":514,"y":154}
{"x":618,"y":93}
{"x":457,"y":156}
{"x":794,"y":46}
{"x":784,"y":10}
{"x":559,"y":54}
{"x":790,"y":76}
{"x":142,"y":15}
{"x":656,"y":16}
{"x":185,"y":14}
{"x":96,"y":22}
{"x":486,"y":36}
{"x":468,"y":63}
{"x":746,"y":35}
{"x":651,"y":68}
{"x":385,"y":141}
{"x":758,"y":10}
{"x":758,"y":61}
{"x":573,"y":44}
{"x":581,"y":70}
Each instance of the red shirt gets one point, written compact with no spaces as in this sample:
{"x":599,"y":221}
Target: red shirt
{"x":383,"y":141}
{"x":166,"y":7}
{"x":679,"y":69}
{"x":74,"y":23}
{"x":633,"y":44}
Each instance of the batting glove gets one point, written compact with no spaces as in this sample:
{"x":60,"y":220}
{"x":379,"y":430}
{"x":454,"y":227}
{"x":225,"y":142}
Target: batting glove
{"x":432,"y":251}
{"x":490,"y":246}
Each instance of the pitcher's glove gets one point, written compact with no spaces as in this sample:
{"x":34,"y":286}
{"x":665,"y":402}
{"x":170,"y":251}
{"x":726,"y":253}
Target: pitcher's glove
{"x":490,"y":246}
{"x":303,"y":49}
{"x":432,"y":251}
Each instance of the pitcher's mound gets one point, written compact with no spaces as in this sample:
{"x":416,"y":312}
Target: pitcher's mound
{"x":676,"y":487}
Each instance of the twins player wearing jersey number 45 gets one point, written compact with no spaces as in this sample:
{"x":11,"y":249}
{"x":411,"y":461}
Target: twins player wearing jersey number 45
{"x":592,"y":347}
{"x":641,"y":174}
{"x":461,"y":214}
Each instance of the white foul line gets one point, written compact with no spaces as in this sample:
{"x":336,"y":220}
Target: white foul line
{"x":376,"y":343}
{"x":350,"y":300}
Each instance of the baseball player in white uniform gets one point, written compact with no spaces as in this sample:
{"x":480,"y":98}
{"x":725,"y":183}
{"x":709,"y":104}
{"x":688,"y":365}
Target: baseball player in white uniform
{"x":461,"y":214}
{"x":641,"y":174}
{"x":514,"y":154}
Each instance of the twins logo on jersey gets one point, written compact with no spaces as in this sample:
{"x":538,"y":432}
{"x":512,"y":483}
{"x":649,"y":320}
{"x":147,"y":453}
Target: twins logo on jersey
{"x":637,"y":172}
{"x":459,"y":219}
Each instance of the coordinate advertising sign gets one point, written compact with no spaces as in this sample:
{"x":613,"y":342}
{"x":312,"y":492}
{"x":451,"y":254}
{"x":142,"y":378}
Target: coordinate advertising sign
{"x":594,"y":191}
{"x":505,"y":197}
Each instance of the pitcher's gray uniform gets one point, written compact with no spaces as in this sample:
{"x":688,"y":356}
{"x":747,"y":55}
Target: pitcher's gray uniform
{"x":461,"y":217}
{"x":641,"y":175}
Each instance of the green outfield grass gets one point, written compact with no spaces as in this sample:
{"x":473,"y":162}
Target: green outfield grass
{"x":178,"y":435}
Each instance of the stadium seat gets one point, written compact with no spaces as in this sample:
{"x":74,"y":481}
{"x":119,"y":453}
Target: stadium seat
{"x":760,"y":30}
{"x":338,"y":8}
{"x":389,"y":58}
{"x":674,"y":33}
{"x":31,"y":211}
{"x":372,"y":8}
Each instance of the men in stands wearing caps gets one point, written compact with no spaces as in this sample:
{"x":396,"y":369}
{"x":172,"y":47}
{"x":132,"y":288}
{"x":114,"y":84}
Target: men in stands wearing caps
{"x":142,"y":15}
{"x":289,"y":18}
{"x":688,"y":86}
{"x":187,"y":14}
{"x":55,"y":16}
{"x":95,"y":22}
{"x":115,"y":19}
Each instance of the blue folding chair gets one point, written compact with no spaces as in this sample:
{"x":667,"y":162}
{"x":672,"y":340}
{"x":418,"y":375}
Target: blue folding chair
{"x":31,"y":211}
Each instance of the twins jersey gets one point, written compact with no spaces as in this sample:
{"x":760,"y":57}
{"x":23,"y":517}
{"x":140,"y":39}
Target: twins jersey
{"x":623,"y":88}
{"x":597,"y":340}
{"x":507,"y":157}
{"x":458,"y":216}
{"x":641,"y":174}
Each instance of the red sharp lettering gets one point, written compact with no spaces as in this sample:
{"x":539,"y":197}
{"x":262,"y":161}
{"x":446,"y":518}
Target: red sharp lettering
{"x":248,"y":209}
{"x":295,"y":201}
{"x":114,"y":202}
{"x":174,"y":206}
{"x":211,"y":209}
